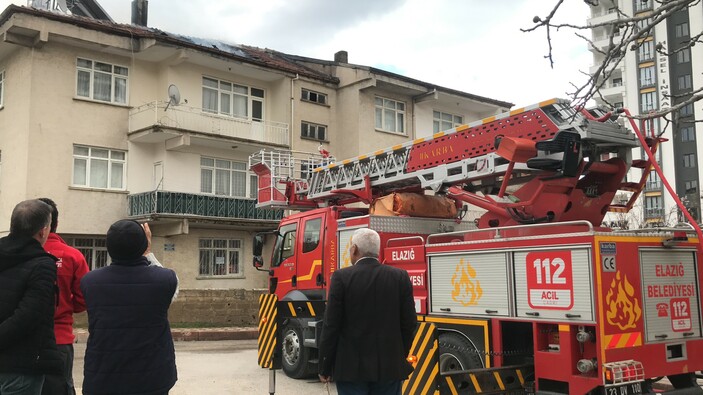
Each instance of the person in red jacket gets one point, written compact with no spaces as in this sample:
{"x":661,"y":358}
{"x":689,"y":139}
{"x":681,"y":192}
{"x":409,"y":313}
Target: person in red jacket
{"x":70,"y":267}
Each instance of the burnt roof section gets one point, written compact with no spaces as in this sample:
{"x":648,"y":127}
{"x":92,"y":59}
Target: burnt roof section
{"x":245,"y":54}
{"x":404,"y":78}
{"x":88,"y":8}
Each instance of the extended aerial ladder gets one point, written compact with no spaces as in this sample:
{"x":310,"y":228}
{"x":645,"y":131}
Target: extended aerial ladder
{"x":542,"y":163}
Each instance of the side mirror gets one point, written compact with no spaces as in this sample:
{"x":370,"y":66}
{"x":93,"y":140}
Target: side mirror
{"x":258,"y":249}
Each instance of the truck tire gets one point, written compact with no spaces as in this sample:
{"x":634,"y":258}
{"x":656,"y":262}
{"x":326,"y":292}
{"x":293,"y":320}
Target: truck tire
{"x":683,"y":380}
{"x":456,"y":353}
{"x":294,"y":355}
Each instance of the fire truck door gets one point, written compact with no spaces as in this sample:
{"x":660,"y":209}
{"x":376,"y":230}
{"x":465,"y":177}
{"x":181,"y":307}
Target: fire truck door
{"x":283,"y":263}
{"x":309,"y":267}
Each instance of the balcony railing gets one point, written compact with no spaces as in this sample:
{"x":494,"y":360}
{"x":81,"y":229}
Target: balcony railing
{"x":653,"y":186}
{"x":653,"y":212}
{"x":155,"y":114}
{"x":190,"y":204}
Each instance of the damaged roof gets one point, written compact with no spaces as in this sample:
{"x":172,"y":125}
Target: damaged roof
{"x":246,"y":54}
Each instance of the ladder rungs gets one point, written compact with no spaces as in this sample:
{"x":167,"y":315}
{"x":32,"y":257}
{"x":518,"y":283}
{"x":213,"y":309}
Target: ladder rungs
{"x":617,"y":208}
{"x":640,"y":163}
{"x":630,"y":186}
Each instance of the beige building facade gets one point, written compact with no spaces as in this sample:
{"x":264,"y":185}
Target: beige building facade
{"x":121,"y":121}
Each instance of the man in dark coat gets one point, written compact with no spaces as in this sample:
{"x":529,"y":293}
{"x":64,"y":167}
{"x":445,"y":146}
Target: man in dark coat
{"x":369,"y":323}
{"x":27,"y":298}
{"x":130,"y":348}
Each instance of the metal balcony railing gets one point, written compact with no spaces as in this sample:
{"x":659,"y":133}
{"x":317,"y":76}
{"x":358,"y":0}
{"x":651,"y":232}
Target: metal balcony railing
{"x":653,"y":212}
{"x":190,"y":204}
{"x":653,"y":185}
{"x":155,"y":114}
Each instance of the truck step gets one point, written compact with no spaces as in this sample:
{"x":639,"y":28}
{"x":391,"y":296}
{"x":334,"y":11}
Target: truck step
{"x":629,"y":186}
{"x":309,"y":343}
{"x":617,"y":208}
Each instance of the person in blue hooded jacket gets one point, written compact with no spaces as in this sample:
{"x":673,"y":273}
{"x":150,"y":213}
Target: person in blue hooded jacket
{"x":130,"y":349}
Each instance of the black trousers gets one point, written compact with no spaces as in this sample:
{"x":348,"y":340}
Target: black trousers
{"x":61,"y":384}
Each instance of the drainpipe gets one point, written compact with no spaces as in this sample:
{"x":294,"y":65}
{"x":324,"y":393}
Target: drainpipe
{"x":292,"y":109}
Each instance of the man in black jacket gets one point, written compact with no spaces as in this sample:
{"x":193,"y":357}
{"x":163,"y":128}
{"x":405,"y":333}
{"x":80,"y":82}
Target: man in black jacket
{"x":130,"y":348}
{"x":27,"y":299}
{"x":369,"y":323}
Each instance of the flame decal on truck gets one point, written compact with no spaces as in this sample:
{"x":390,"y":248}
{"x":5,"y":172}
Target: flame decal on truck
{"x":623,"y":309}
{"x":466,"y":289}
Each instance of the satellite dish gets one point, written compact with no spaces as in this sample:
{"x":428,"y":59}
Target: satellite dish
{"x":174,"y":96}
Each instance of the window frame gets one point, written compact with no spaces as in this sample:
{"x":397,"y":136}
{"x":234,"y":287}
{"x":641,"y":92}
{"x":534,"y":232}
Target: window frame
{"x":681,"y":30}
{"x":396,"y":113}
{"x":93,"y":249}
{"x":306,"y":126}
{"x":683,"y":55}
{"x":251,"y":183}
{"x":306,"y":95}
{"x":688,"y":133}
{"x":114,"y":77}
{"x":110,"y":161}
{"x":690,"y":187}
{"x":2,"y":88}
{"x":648,"y":105}
{"x":439,"y":122}
{"x":686,"y":110}
{"x":689,"y":160}
{"x":251,"y":99}
{"x":228,"y":249}
{"x":646,"y":51}
{"x":648,"y":76}
{"x":685,"y":82}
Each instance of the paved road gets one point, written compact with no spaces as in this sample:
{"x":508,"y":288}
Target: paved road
{"x":221,"y":368}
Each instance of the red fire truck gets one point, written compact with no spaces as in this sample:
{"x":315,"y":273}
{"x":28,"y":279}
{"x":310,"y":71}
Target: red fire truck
{"x":533,"y":296}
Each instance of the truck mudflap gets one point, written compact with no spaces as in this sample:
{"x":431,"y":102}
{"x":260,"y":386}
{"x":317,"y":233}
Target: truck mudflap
{"x":427,"y":379}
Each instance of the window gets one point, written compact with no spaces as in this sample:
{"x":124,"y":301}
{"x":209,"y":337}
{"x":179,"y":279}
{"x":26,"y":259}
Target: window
{"x":688,"y":134}
{"x":618,"y":104}
{"x":647,"y":76}
{"x":443,"y":121}
{"x":648,"y":101}
{"x":313,"y":131}
{"x":645,"y":24}
{"x":641,"y":5}
{"x":227,"y":98}
{"x":691,"y":186}
{"x":686,"y":110}
{"x":653,"y":206}
{"x":653,"y":181}
{"x":2,"y":88}
{"x":220,"y":257}
{"x":681,"y":30}
{"x":685,"y":82}
{"x":646,"y":51}
{"x":101,"y":81}
{"x":93,"y":249}
{"x":99,"y":167}
{"x":227,"y":178}
{"x":689,"y":160}
{"x":617,"y":82}
{"x":285,"y":244}
{"x":683,"y":56}
{"x":312,"y":234}
{"x":390,"y":115}
{"x":314,"y":97}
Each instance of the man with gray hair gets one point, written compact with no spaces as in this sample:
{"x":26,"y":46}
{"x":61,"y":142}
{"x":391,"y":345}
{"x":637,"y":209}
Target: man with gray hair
{"x":27,"y":299}
{"x":369,"y":323}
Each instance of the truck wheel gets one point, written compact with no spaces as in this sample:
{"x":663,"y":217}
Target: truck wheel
{"x":294,"y":353}
{"x":456,"y":353}
{"x":683,"y":380}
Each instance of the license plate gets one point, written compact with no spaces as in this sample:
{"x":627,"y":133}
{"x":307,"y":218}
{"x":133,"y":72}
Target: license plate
{"x":624,"y":389}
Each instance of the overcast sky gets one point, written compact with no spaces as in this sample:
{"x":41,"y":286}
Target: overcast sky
{"x":471,"y":45}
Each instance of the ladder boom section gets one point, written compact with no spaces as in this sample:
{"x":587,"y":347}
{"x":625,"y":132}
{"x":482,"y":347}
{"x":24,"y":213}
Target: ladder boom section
{"x":466,"y":153}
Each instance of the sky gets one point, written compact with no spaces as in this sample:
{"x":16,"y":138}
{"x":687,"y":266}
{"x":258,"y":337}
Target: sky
{"x":475,"y":46}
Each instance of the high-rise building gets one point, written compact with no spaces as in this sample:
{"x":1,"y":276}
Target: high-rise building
{"x":659,"y":71}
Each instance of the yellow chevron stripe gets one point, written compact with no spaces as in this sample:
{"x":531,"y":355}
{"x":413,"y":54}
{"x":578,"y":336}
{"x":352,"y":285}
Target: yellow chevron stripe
{"x":488,"y":120}
{"x":423,"y":368}
{"x":547,"y":102}
{"x":517,"y":111}
{"x":436,"y":135}
{"x":397,"y":147}
{"x":379,"y":152}
{"x":312,"y":311}
{"x":292,"y":310}
{"x":430,"y":381}
{"x":461,"y":128}
{"x":418,"y":141}
{"x":519,"y":376}
{"x":477,"y":387}
{"x":452,"y":387}
{"x":499,"y":381}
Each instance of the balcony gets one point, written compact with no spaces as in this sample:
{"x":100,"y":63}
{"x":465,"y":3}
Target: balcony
{"x":194,"y":206}
{"x":653,"y":212}
{"x":653,"y":186}
{"x":156,"y":122}
{"x":603,"y":16}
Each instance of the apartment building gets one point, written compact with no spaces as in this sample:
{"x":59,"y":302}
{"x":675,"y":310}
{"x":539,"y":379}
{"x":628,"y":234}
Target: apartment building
{"x":122,"y":121}
{"x":647,"y":81}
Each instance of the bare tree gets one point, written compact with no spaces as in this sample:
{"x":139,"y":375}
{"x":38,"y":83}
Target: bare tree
{"x":625,"y":33}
